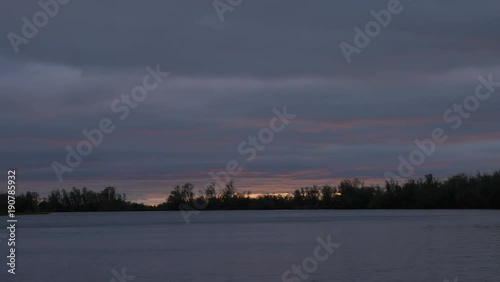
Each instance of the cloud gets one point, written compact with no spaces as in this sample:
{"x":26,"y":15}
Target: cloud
{"x":353,"y":119}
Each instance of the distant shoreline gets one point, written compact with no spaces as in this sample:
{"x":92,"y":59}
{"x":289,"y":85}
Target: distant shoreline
{"x":458,"y":192}
{"x":276,"y":209}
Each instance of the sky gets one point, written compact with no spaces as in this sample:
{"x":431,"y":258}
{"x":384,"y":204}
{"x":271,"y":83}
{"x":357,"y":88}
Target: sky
{"x":234,"y":67}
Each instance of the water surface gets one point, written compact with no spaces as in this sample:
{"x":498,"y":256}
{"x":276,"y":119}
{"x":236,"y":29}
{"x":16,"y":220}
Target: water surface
{"x":375,"y":245}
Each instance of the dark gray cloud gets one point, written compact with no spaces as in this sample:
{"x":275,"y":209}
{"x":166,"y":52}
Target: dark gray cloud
{"x":354,"y":120}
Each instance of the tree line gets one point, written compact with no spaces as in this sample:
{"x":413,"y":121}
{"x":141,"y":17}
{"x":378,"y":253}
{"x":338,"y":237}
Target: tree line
{"x":460,"y":191}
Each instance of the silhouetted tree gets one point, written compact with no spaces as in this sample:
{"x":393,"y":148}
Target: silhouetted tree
{"x":458,"y":191}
